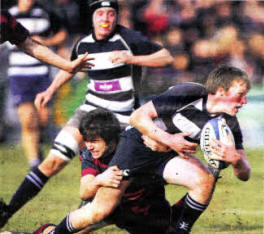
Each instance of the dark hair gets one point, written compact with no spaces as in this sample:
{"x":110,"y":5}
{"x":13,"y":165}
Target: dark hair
{"x":100,"y":123}
{"x":223,"y":76}
{"x":95,"y":4}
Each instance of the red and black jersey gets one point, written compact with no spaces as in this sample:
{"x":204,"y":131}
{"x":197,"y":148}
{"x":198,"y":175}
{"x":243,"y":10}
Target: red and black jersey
{"x":11,"y":30}
{"x":138,"y":195}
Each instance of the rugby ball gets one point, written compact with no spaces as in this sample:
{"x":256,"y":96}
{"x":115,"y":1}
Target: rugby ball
{"x":216,"y":128}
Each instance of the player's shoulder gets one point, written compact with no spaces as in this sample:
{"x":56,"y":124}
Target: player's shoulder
{"x":192,"y":88}
{"x":128,"y":33}
{"x":85,"y":155}
{"x":86,"y":38}
{"x":232,"y":121}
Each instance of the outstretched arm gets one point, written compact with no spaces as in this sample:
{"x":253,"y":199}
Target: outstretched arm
{"x":142,"y":119}
{"x":160,"y":58}
{"x":43,"y":53}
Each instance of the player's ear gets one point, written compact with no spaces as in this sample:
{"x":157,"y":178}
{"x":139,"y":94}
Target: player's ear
{"x":220,"y":91}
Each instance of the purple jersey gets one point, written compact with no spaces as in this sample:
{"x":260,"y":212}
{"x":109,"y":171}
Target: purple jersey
{"x":11,"y":30}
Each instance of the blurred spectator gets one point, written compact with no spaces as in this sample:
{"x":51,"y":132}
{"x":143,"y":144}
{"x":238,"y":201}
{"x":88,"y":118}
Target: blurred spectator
{"x":238,"y":58}
{"x":156,"y":17}
{"x":3,"y":89}
{"x":28,"y":76}
{"x":256,"y":51}
{"x":174,"y":40}
{"x":125,"y":14}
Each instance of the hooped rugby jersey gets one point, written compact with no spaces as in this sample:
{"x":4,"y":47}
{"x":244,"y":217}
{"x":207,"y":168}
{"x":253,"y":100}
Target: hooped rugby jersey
{"x":114,"y":86}
{"x":182,"y":108}
{"x":38,"y":21}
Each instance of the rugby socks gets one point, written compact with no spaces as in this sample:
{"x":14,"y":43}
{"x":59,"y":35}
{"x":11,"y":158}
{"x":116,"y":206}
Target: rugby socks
{"x":34,"y":162}
{"x":65,"y":227}
{"x":176,"y":210}
{"x":191,"y":211}
{"x":28,"y":189}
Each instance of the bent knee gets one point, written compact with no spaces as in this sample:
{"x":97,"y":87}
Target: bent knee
{"x":205,"y":180}
{"x":52,"y":165}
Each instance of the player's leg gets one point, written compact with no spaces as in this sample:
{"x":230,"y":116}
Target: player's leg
{"x":176,"y":210}
{"x":157,"y":219}
{"x":65,"y":147}
{"x":104,"y":203}
{"x":28,"y":117}
{"x":193,"y":175}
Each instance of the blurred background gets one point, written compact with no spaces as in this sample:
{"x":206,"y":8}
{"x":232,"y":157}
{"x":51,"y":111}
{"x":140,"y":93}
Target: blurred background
{"x":200,"y":34}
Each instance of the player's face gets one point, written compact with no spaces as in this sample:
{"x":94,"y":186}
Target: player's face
{"x":235,"y":97}
{"x":97,"y":147}
{"x":104,"y":20}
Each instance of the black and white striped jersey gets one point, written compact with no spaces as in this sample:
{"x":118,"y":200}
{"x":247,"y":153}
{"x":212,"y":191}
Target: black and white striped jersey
{"x":182,"y":108}
{"x":38,"y":21}
{"x":113,"y":86}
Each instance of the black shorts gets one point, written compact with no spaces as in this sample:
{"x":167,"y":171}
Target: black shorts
{"x":155,"y":221}
{"x":136,"y":159}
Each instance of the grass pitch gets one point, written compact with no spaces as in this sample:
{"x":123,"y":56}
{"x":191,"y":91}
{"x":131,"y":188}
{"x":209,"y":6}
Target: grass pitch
{"x":237,"y":207}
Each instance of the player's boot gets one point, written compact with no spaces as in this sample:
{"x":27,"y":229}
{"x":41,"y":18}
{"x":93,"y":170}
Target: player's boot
{"x":45,"y":229}
{"x":4,"y":213}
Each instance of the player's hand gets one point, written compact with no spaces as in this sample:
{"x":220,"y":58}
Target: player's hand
{"x":81,"y":64}
{"x":42,"y":99}
{"x":182,"y":146}
{"x":155,"y":145}
{"x":119,"y":56}
{"x":111,"y":177}
{"x":224,"y":152}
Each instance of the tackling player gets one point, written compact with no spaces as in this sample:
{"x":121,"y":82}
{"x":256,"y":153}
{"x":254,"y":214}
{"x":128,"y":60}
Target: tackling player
{"x":143,"y":207}
{"x":113,"y":85}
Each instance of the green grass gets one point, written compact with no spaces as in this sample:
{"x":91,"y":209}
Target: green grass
{"x":237,"y":207}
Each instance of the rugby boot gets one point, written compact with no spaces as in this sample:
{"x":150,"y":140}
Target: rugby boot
{"x":4,"y":213}
{"x":45,"y":229}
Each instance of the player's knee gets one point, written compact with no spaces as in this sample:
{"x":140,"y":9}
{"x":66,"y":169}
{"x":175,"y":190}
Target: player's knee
{"x":52,"y":165}
{"x":65,"y":146}
{"x":205,"y":181}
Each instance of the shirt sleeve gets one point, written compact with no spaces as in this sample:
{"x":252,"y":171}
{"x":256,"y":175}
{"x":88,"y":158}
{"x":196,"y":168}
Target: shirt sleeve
{"x":177,"y":97}
{"x":11,"y":30}
{"x":138,"y":43}
{"x":88,"y":166}
{"x":233,"y":123}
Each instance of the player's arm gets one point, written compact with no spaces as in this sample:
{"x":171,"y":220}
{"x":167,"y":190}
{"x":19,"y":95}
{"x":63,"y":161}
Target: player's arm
{"x":55,"y":40}
{"x":46,"y":55}
{"x":91,"y":183}
{"x":160,"y":58}
{"x":44,"y":97}
{"x":142,"y":119}
{"x":241,"y":165}
{"x":237,"y":157}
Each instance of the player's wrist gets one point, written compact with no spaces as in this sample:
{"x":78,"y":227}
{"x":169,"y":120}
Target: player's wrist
{"x":237,"y":161}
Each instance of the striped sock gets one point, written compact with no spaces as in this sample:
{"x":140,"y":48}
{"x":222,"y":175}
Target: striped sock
{"x":191,"y":211}
{"x":28,"y":189}
{"x":65,"y":227}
